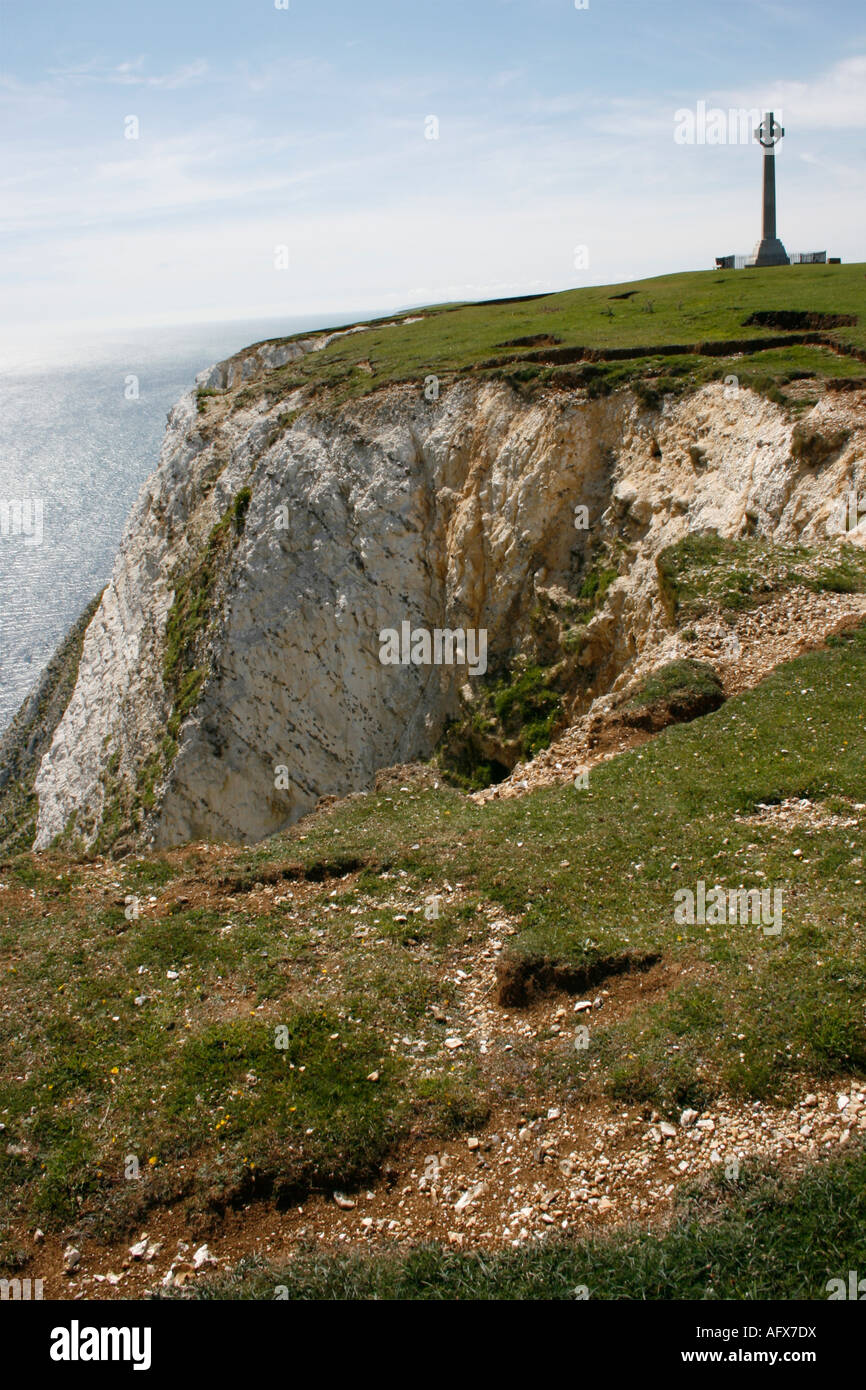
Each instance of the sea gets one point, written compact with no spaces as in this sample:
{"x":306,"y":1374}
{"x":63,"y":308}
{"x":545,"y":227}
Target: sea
{"x":81,"y":423}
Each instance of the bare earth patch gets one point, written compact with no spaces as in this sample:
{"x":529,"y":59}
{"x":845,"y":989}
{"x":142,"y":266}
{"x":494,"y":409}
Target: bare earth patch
{"x":519,"y":1180}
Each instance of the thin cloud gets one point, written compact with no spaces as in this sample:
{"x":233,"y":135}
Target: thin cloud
{"x":834,"y":100}
{"x":130,"y":74}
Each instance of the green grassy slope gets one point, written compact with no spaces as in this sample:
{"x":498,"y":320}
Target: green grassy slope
{"x":525,"y":341}
{"x":314,"y":930}
{"x":599,"y":868}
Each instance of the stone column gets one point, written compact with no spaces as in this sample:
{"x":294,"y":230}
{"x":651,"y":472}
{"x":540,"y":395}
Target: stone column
{"x":769,"y":250}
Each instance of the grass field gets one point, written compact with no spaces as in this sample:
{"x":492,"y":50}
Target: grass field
{"x":140,"y":998}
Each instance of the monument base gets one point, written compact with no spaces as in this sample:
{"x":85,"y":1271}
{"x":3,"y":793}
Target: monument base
{"x":769,"y":251}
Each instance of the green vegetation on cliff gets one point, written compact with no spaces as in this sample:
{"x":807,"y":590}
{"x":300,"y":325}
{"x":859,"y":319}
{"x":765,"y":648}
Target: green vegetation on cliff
{"x":768,"y":327}
{"x":192,"y":611}
{"x":705,"y":572}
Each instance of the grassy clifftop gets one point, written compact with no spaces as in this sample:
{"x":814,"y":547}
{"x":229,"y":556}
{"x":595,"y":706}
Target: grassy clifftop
{"x":765,"y":324}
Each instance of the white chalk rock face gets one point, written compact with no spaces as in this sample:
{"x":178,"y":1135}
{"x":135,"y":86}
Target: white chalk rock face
{"x":451,"y":514}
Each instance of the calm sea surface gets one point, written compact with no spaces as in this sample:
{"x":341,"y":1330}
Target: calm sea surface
{"x":74,"y":452}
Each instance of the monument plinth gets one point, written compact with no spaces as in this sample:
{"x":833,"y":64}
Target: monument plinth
{"x":769,"y":250}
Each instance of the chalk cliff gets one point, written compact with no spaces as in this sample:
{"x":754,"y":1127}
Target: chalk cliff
{"x":231,"y":675}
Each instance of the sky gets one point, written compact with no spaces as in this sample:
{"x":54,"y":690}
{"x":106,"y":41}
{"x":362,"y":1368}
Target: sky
{"x":185,"y":161}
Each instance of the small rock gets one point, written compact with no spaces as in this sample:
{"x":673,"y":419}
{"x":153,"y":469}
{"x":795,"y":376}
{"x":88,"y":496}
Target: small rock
{"x":605,"y":1205}
{"x":139,"y":1250}
{"x":472,"y":1143}
{"x":668,"y":1130}
{"x":71,"y":1259}
{"x":202,"y":1257}
{"x":345,"y":1203}
{"x":687,"y":1118}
